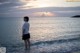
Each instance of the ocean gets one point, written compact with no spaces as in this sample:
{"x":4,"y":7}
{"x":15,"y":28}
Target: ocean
{"x":48,"y":34}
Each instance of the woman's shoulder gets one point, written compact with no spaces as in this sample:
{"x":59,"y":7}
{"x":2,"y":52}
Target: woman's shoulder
{"x":26,"y":23}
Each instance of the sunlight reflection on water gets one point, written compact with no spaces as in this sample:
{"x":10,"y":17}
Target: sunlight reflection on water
{"x":46,"y":33}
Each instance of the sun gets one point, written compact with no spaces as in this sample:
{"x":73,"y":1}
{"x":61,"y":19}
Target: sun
{"x":47,"y":14}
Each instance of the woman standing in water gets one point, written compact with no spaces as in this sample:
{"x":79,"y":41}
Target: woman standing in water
{"x":25,"y":33}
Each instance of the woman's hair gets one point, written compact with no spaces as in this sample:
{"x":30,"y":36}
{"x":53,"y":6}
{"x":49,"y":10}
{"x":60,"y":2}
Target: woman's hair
{"x":26,"y":18}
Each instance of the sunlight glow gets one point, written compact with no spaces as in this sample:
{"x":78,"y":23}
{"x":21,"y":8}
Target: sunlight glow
{"x":28,"y":4}
{"x":43,"y":5}
{"x":43,"y":14}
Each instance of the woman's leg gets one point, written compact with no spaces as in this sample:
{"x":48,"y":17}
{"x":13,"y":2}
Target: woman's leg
{"x":28,"y":41}
{"x":26,"y":44}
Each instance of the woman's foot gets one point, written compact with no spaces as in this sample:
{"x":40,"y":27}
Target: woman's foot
{"x":25,"y":48}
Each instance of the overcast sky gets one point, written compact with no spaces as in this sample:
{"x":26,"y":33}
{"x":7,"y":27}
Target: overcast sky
{"x":32,"y":7}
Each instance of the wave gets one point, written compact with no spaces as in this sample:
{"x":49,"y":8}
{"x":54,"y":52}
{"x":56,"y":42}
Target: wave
{"x":18,"y":47}
{"x":47,"y":42}
{"x":57,"y":41}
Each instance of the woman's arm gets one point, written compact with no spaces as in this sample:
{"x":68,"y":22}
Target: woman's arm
{"x":23,"y":31}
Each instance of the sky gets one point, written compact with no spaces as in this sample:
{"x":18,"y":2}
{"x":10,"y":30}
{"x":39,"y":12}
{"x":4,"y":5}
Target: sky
{"x":18,"y":8}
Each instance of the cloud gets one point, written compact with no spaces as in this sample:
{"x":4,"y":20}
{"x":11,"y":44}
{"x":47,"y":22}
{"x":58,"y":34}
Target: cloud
{"x":1,"y":1}
{"x":6,"y":5}
{"x":27,"y":0}
{"x":28,"y":4}
{"x":47,"y":3}
{"x":9,"y":2}
{"x":22,"y":7}
{"x":67,"y":11}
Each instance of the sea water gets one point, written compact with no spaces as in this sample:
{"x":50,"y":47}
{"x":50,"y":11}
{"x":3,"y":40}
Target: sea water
{"x":48,"y":34}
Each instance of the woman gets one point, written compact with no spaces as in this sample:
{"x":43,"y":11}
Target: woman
{"x":25,"y":33}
